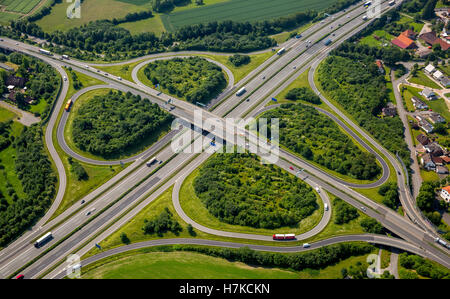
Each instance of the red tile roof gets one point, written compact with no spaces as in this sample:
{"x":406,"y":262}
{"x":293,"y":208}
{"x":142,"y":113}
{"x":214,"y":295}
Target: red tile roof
{"x":431,"y":39}
{"x":404,"y":42}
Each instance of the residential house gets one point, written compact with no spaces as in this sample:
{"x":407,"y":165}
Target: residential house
{"x":445,"y":193}
{"x":446,"y":159}
{"x":418,"y":103}
{"x":423,"y":52}
{"x":12,"y":97}
{"x":426,"y":126}
{"x":437,"y":161}
{"x":427,"y":162}
{"x":436,"y":118}
{"x":430,"y":69}
{"x":431,"y":39}
{"x":429,"y":94}
{"x":404,"y":42}
{"x":16,"y":81}
{"x":434,"y":149}
{"x":379,"y":64}
{"x":438,"y":75}
{"x":441,"y":170}
{"x":389,"y":110}
{"x":423,"y":139}
{"x":445,"y":82}
{"x":409,"y":34}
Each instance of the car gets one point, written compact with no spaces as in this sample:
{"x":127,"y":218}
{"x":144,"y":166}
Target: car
{"x":17,"y":44}
{"x":291,"y":168}
{"x":333,"y":34}
{"x":364,"y":209}
{"x":399,"y":172}
{"x":306,"y":245}
{"x":65,"y":78}
{"x":20,"y":276}
{"x":160,"y":161}
{"x":248,"y":100}
{"x":264,"y":77}
{"x":1,"y":39}
{"x":120,"y":78}
{"x":106,"y":74}
{"x":87,"y":66}
{"x":348,"y":17}
{"x":294,"y":67}
{"x":98,"y":71}
{"x":83,"y":201}
{"x":88,"y":213}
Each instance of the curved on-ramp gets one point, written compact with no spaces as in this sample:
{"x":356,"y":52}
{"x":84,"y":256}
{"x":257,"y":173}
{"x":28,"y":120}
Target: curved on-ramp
{"x":375,"y":239}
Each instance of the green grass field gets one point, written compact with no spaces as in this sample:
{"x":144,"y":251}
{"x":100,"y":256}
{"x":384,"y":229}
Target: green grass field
{"x":238,"y":10}
{"x":6,"y":115}
{"x":408,"y":94}
{"x":6,"y":17}
{"x":8,"y":172}
{"x":385,"y":38}
{"x":181,"y":265}
{"x":423,"y":79}
{"x":440,"y":106}
{"x":92,"y":10}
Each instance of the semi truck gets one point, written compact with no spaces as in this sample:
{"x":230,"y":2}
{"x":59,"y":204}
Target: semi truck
{"x":241,"y":91}
{"x":391,"y":3}
{"x":284,"y":237}
{"x":44,"y":239}
{"x":151,"y":161}
{"x":42,"y":51}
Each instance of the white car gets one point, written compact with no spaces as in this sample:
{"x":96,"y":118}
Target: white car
{"x":306,"y":245}
{"x":65,"y":78}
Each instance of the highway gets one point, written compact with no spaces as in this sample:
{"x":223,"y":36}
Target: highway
{"x":184,"y":111}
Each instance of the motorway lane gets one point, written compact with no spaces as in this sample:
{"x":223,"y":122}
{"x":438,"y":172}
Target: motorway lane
{"x":375,"y":239}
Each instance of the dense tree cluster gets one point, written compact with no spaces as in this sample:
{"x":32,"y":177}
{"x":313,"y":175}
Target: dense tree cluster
{"x":318,"y":138}
{"x":303,"y":94}
{"x":167,"y":5}
{"x":344,"y":212}
{"x":107,"y":125}
{"x":5,"y":138}
{"x":42,"y":81}
{"x":422,"y":267}
{"x":372,"y":226}
{"x":78,"y":170}
{"x":133,"y":17}
{"x":237,"y":59}
{"x":390,"y":193}
{"x":35,"y":172}
{"x":44,"y":11}
{"x":426,"y":201}
{"x":351,"y":78}
{"x":314,"y":259}
{"x":161,"y":224}
{"x":238,"y":189}
{"x":194,"y":78}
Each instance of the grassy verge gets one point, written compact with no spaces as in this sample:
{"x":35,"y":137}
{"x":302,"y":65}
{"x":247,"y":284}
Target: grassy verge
{"x":6,"y":115}
{"x":284,"y":36}
{"x":423,"y":79}
{"x":151,"y":263}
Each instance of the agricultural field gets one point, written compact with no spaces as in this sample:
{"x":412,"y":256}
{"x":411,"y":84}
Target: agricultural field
{"x":92,"y":10}
{"x":238,"y":10}
{"x":23,"y":6}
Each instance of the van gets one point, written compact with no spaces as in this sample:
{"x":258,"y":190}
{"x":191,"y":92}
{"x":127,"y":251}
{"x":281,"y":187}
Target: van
{"x":326,"y":207}
{"x":306,"y":245}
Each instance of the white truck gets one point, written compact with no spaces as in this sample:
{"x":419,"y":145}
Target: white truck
{"x":46,"y":52}
{"x":281,"y":51}
{"x":241,"y":91}
{"x":42,"y":240}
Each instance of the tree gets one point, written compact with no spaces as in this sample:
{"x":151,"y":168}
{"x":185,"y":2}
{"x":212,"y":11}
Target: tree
{"x":428,"y":10}
{"x":124,"y":238}
{"x":191,"y":230}
{"x":372,"y":226}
